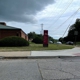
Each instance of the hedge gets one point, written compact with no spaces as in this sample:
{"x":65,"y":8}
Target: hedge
{"x":38,"y":40}
{"x":13,"y":41}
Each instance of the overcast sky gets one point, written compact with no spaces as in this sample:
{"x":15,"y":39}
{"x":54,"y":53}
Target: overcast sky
{"x":30,"y":14}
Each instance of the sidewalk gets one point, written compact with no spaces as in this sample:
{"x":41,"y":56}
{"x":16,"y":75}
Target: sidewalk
{"x":41,"y":54}
{"x":17,"y":54}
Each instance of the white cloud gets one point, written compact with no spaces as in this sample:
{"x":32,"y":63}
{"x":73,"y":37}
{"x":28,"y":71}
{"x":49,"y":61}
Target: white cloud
{"x":56,"y":14}
{"x":52,"y":16}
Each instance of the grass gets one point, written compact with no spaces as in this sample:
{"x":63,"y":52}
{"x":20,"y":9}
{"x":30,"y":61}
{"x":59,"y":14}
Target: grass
{"x":77,"y":43}
{"x":36,"y":47}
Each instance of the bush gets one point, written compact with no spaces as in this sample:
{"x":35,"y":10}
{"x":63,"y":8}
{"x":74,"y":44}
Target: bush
{"x":13,"y":41}
{"x":37,"y":40}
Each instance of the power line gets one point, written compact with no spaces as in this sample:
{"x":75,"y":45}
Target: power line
{"x":52,"y":12}
{"x":56,"y":7}
{"x":67,"y":19}
{"x":66,"y":30}
{"x":68,"y":26}
{"x":61,"y":14}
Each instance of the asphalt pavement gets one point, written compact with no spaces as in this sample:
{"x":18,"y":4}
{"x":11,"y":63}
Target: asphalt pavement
{"x":40,"y":69}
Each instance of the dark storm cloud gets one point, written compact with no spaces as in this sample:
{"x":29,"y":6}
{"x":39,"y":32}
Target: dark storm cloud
{"x":21,"y":10}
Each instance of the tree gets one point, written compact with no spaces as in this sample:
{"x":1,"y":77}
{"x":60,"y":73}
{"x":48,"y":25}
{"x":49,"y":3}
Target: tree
{"x":51,"y":39}
{"x":31,"y":35}
{"x":37,"y":40}
{"x":71,"y":33}
{"x":61,"y":39}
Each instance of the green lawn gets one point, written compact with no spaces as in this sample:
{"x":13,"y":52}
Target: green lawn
{"x":36,"y":47}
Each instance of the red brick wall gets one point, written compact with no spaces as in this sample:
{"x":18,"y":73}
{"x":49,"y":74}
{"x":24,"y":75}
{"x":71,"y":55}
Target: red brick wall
{"x":6,"y":33}
{"x":23,"y":35}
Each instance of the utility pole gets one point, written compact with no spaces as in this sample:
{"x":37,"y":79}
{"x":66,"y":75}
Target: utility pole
{"x":42,"y":29}
{"x":75,"y":34}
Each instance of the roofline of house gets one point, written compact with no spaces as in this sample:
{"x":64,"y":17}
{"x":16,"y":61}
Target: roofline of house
{"x":23,"y":32}
{"x":15,"y":29}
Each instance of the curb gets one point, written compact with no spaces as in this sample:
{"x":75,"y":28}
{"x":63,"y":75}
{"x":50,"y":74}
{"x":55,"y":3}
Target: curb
{"x":39,"y":57}
{"x":13,"y":57}
{"x":49,"y":57}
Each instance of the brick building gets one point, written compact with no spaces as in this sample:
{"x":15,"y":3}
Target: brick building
{"x":6,"y":31}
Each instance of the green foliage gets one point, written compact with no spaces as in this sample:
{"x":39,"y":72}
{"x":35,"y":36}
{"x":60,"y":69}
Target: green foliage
{"x":61,"y":39}
{"x":13,"y":41}
{"x":31,"y":35}
{"x":78,"y":43}
{"x":38,"y":40}
{"x":71,"y":33}
{"x":51,"y":39}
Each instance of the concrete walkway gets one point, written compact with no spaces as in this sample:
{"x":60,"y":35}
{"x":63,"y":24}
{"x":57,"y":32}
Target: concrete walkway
{"x":68,"y":52}
{"x":49,"y":53}
{"x":15,"y":54}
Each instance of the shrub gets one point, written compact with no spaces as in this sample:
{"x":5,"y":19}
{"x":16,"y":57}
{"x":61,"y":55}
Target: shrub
{"x":37,"y":40}
{"x":13,"y":41}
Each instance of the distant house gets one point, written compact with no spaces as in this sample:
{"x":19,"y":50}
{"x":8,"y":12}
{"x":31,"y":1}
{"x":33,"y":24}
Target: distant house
{"x":6,"y":31}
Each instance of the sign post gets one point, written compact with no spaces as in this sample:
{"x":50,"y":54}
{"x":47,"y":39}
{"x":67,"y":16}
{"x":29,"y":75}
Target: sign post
{"x":45,"y":38}
{"x":75,"y":33}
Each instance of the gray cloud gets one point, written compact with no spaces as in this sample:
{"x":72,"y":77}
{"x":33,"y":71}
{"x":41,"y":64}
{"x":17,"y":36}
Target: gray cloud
{"x":21,"y":10}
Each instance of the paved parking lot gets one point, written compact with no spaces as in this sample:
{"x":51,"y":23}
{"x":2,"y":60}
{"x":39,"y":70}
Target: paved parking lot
{"x":40,"y":69}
